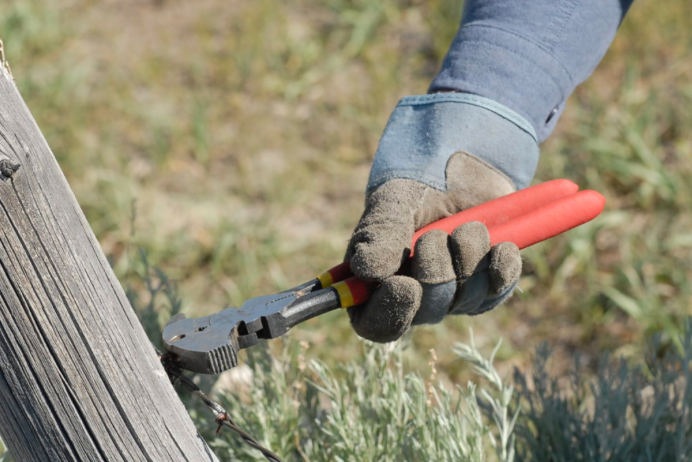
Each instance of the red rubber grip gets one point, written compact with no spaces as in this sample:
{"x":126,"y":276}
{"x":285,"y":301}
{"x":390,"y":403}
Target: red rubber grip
{"x":505,"y":208}
{"x":340,"y":272}
{"x":549,"y":220}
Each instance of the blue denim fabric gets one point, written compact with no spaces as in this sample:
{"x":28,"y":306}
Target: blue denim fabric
{"x":424,"y":131}
{"x":529,"y":55}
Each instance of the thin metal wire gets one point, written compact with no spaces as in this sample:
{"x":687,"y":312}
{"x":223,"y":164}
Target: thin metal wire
{"x":222,"y":417}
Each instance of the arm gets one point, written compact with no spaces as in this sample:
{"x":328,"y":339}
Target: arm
{"x":529,"y":56}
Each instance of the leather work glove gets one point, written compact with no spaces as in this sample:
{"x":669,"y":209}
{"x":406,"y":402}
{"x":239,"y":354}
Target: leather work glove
{"x":439,"y":154}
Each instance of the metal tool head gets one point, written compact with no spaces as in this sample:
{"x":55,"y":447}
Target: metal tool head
{"x":210,"y":345}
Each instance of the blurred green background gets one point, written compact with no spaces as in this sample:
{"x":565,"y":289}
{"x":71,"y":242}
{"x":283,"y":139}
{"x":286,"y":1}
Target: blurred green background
{"x":231,"y":140}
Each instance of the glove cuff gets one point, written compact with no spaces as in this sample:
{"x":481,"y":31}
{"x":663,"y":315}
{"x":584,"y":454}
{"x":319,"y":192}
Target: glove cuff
{"x":425,"y":130}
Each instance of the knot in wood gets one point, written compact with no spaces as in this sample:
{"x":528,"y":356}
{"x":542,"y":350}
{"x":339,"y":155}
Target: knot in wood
{"x":8,"y":168}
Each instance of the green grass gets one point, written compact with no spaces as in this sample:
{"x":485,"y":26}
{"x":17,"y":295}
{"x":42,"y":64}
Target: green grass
{"x":372,"y":409}
{"x":366,"y":409}
{"x":232,"y":141}
{"x":623,"y":413}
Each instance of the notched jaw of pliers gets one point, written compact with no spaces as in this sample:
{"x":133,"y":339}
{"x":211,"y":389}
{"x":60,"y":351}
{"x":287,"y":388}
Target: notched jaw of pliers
{"x":198,"y":346}
{"x":210,"y":345}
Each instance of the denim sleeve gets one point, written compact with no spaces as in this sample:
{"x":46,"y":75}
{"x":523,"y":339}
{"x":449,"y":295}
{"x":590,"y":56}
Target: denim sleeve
{"x":529,"y":55}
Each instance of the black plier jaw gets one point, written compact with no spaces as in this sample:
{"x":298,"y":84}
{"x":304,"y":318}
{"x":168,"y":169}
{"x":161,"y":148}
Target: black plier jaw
{"x":210,"y":345}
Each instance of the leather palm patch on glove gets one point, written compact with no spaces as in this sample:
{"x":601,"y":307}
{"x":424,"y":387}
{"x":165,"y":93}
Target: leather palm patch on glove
{"x":450,"y":274}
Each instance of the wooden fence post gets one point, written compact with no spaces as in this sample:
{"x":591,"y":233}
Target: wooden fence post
{"x":79,"y":380}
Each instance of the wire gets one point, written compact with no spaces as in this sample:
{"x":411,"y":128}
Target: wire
{"x":222,"y":417}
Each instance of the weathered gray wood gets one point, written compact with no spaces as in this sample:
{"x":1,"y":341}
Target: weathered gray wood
{"x":79,"y":381}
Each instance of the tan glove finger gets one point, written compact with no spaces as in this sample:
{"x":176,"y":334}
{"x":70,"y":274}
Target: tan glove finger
{"x":432,"y":262}
{"x":469,"y":245}
{"x":389,"y":312}
{"x":505,"y":267}
{"x":487,"y":276}
{"x":381,"y":241}
{"x":432,"y":266}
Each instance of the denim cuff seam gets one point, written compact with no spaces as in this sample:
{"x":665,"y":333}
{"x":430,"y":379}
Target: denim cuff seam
{"x":473,"y":88}
{"x":473,"y":100}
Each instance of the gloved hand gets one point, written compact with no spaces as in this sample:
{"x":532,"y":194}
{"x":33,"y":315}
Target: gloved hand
{"x":440,"y":154}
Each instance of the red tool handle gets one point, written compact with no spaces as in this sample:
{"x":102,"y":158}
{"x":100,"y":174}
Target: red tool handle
{"x":503,"y":209}
{"x":525,"y":217}
{"x":494,"y":212}
{"x":549,"y":220}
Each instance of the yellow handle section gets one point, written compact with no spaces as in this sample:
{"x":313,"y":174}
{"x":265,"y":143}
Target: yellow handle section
{"x":345,"y":295}
{"x":326,"y":279}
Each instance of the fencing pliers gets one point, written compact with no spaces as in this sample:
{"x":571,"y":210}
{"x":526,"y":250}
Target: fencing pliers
{"x":210,"y":344}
